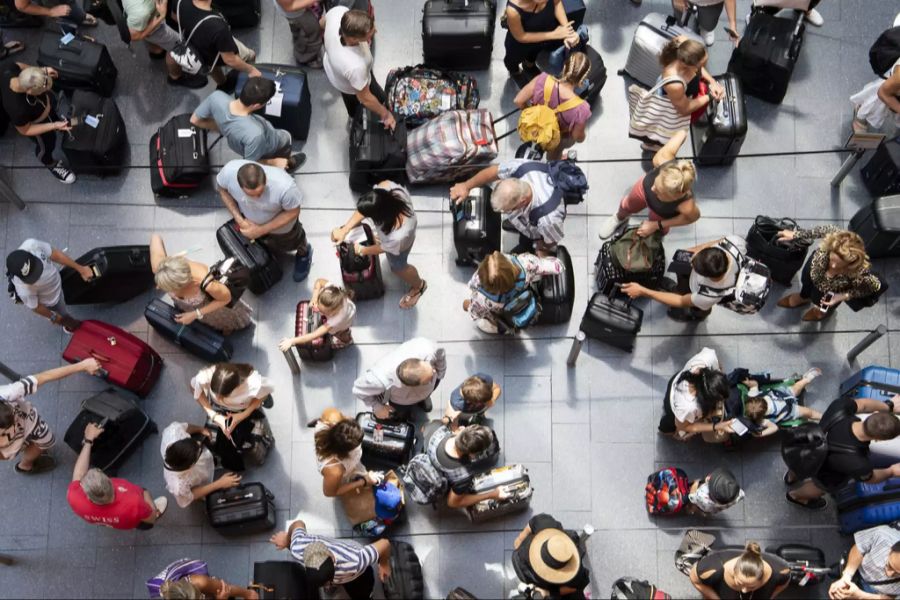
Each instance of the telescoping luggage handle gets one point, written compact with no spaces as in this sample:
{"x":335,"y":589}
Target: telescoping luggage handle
{"x":9,"y":373}
{"x":511,"y":130}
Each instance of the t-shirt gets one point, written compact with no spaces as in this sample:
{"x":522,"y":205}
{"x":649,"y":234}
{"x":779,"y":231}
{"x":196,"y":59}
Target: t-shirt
{"x":714,"y":291}
{"x":211,"y":38}
{"x":875,"y":546}
{"x":715,"y":562}
{"x":702,"y":499}
{"x":841,"y":467}
{"x":350,"y":559}
{"x":281,"y":194}
{"x":139,"y":13}
{"x":250,"y":136}
{"x":400,"y":239}
{"x":47,"y":290}
{"x":539,"y":523}
{"x":343,"y":319}
{"x":21,"y":108}
{"x":255,"y":386}
{"x":684,"y":403}
{"x":380,"y":385}
{"x":550,"y":226}
{"x":181,"y":483}
{"x":25,"y":417}
{"x":567,"y":119}
{"x":126,"y":511}
{"x":348,"y":68}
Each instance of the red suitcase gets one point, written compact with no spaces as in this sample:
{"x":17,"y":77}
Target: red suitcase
{"x":127,"y":361}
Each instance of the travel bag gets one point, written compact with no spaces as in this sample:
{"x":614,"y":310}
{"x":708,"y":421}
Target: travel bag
{"x":556,"y":293}
{"x":863,"y":505}
{"x":125,"y":426}
{"x":179,"y":158}
{"x":783,"y":259}
{"x":632,"y":588}
{"x":718,"y":135}
{"x":405,"y":580}
{"x":458,"y":34}
{"x":120,"y":274}
{"x":765,"y":57}
{"x":82,"y":63}
{"x":516,"y":481}
{"x":291,"y":107}
{"x":376,"y":153}
{"x":240,"y":14}
{"x":247,"y":508}
{"x":878,"y":224}
{"x":878,"y":383}
{"x":306,"y":321}
{"x":881,"y":175}
{"x":612,"y":319}
{"x":281,"y":580}
{"x":127,"y":361}
{"x":417,"y":94}
{"x":652,"y":33}
{"x":97,"y":143}
{"x":265,"y":270}
{"x":476,"y":227}
{"x":451,"y":147}
{"x":198,"y":338}
{"x":362,"y":274}
{"x":387,"y":444}
{"x":666,"y":491}
{"x":608,"y":273}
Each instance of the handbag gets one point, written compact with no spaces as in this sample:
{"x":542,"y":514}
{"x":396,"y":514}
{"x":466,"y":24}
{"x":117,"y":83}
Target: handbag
{"x":636,"y":254}
{"x":653,"y":117}
{"x":694,"y":546}
{"x":185,"y":55}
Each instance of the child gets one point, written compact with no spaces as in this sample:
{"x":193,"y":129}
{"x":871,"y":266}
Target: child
{"x":470,"y":401}
{"x":778,"y":404}
{"x":718,"y":491}
{"x":336,"y":305}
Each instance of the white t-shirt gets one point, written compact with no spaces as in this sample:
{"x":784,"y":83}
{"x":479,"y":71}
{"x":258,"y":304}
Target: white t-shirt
{"x":342,"y":320}
{"x":715,"y":290}
{"x":47,"y":290}
{"x":684,"y":403}
{"x":401,"y":239}
{"x":348,"y":68}
{"x":255,"y":386}
{"x":180,"y":483}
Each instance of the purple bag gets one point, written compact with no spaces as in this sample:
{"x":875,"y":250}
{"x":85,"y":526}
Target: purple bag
{"x":177,"y":570}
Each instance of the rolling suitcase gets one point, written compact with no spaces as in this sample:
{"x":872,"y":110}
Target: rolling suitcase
{"x":783,"y":260}
{"x":376,"y":153}
{"x":386,"y":444}
{"x":265,"y":270}
{"x":881,"y":175}
{"x":458,"y":34}
{"x":281,"y":580}
{"x":476,"y":227}
{"x":652,"y":33}
{"x":240,"y":14}
{"x":179,"y":158}
{"x":82,"y":63}
{"x":613,"y":320}
{"x":717,"y":137}
{"x":306,"y":321}
{"x":556,"y":293}
{"x":864,"y":505}
{"x":247,"y":508}
{"x":405,"y":580}
{"x":125,"y":427}
{"x":128,"y":362}
{"x":362,"y":274}
{"x":198,"y":338}
{"x":97,"y":144}
{"x":120,"y":274}
{"x":878,"y":383}
{"x":765,"y":57}
{"x":451,"y":147}
{"x":513,"y":477}
{"x":878,"y":224}
{"x":290,"y":108}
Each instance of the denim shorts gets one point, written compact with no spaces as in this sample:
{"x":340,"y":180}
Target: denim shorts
{"x":398,"y":262}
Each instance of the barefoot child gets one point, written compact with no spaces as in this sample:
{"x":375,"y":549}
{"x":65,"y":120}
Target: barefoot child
{"x":336,"y":305}
{"x":778,"y":404}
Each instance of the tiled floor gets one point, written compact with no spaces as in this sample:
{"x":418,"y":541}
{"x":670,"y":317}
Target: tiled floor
{"x":587,"y":434}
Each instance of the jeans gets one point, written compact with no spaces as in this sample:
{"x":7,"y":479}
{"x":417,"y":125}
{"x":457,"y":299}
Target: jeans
{"x":557,"y":58}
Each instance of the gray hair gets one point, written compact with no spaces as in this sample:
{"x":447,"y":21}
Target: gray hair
{"x":508,"y":193}
{"x":34,"y":79}
{"x":173,"y":273}
{"x":315,"y":554}
{"x":97,"y":487}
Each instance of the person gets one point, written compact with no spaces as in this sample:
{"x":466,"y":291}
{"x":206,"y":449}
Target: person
{"x":404,"y":377}
{"x":708,"y":13}
{"x":497,"y":277}
{"x":181,"y":279}
{"x":779,"y":403}
{"x":471,"y":400}
{"x":551,"y":558}
{"x":37,"y":283}
{"x":517,"y":197}
{"x":461,"y":455}
{"x":70,"y":13}
{"x":872,"y":569}
{"x":327,"y":561}
{"x":389,"y":207}
{"x":233,"y":396}
{"x":22,"y":430}
{"x":146,"y":20}
{"x":111,"y":502}
{"x":265,"y":203}
{"x":338,"y":440}
{"x":25,"y":94}
{"x":838,"y":270}
{"x":249,"y":135}
{"x":348,"y":61}
{"x":714,"y":493}
{"x":878,"y":103}
{"x":302,"y":18}
{"x":735,"y":574}
{"x":188,"y":465}
{"x":188,"y":578}
{"x":336,"y":306}
{"x":573,"y":120}
{"x":532,"y":26}
{"x":811,"y":16}
{"x":9,"y":47}
{"x":848,"y":459}
{"x":693,"y":395}
{"x":666,"y":191}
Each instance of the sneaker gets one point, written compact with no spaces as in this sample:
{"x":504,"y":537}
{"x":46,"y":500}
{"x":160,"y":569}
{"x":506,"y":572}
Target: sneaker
{"x":897,"y":20}
{"x":610,"y":226}
{"x":709,"y":37}
{"x":62,"y":173}
{"x":302,"y":263}
{"x":787,"y":479}
{"x":189,"y":81}
{"x":812,"y":374}
{"x":268,"y":402}
{"x":814,"y":18}
{"x":296,"y":161}
{"x":161,"y":504}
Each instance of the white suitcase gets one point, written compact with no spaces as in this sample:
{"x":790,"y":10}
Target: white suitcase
{"x":651,"y":35}
{"x":515,"y":478}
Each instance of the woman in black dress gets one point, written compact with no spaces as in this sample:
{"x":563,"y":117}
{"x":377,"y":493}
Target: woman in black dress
{"x":740,"y":574}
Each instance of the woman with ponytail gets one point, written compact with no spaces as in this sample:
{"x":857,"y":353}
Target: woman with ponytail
{"x":693,"y":395}
{"x":741,"y":574}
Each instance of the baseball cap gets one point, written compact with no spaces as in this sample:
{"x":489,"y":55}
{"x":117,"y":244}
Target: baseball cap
{"x":387,"y":500}
{"x":723,"y":487}
{"x":24,"y":265}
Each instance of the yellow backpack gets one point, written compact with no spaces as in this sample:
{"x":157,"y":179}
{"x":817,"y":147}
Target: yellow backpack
{"x":539,"y":124}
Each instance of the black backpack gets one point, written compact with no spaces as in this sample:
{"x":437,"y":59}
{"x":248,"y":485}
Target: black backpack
{"x":885,"y":51}
{"x":805,"y":448}
{"x":231,"y":273}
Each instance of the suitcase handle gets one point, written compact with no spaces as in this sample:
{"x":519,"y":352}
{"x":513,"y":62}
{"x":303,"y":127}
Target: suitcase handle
{"x":65,"y":48}
{"x":616,"y":295}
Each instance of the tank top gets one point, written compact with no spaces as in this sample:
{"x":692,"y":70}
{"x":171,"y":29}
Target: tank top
{"x":352,"y":463}
{"x":666,"y":210}
{"x":543,"y":20}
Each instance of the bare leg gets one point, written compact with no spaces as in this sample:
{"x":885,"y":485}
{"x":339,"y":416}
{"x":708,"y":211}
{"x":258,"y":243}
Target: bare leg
{"x":29,"y":455}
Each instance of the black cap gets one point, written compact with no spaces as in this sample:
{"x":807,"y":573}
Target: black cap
{"x":723,"y":487}
{"x":24,"y":265}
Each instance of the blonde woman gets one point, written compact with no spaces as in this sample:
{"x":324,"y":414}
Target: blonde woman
{"x":336,"y":305}
{"x":666,"y":192}
{"x":181,"y":279}
{"x":747,"y":573}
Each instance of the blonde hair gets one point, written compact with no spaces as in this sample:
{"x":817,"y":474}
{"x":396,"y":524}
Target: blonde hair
{"x":576,"y":68}
{"x":497,"y":273}
{"x":180,"y":589}
{"x":690,"y":52}
{"x":35,"y":79}
{"x":332,"y":297}
{"x":677,"y":178}
{"x":508,"y":193}
{"x":173,"y":273}
{"x":750,"y":564}
{"x":850,"y":247}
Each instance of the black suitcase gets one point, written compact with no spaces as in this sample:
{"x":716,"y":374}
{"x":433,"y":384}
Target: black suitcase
{"x":461,"y":593}
{"x":783,"y":260}
{"x":607,"y":273}
{"x":179,"y":158}
{"x":362,"y":274}
{"x":247,"y":508}
{"x":717,"y":137}
{"x":198,"y":338}
{"x":405,"y":581}
{"x":293,"y":115}
{"x":556,"y":293}
{"x":97,"y":145}
{"x":265,"y":270}
{"x":516,"y":481}
{"x":878,"y":224}
{"x":612,"y":319}
{"x":386,"y":444}
{"x":376,"y":153}
{"x":240,"y":14}
{"x":125,"y":428}
{"x":120,"y":274}
{"x":458,"y":34}
{"x":83,"y":64}
{"x":765,"y":57}
{"x":881,"y":175}
{"x":281,"y":580}
{"x":476,"y":227}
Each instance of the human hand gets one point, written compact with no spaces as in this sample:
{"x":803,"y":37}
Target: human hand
{"x":374,"y":478}
{"x":280,"y":540}
{"x":228,"y":480}
{"x":389,"y":122}
{"x":382,"y":411}
{"x":206,"y":433}
{"x":92,"y":431}
{"x":467,"y":304}
{"x":716,"y":90}
{"x":251,"y":230}
{"x":384,"y":571}
{"x":501,"y":493}
{"x":222,"y":592}
{"x":648,"y":228}
{"x":251,"y":595}
{"x":835,"y":300}
{"x":91,"y":366}
{"x":358,"y":249}
{"x":563,"y":31}
{"x":725,"y":426}
{"x":786,"y":235}
{"x":338,"y":234}
{"x":286,"y":344}
{"x":572,"y":41}
{"x":679,"y":5}
{"x":61,"y":10}
{"x":459,"y":192}
{"x":186,"y":318}
{"x":254,"y":72}
{"x":86,"y":273}
{"x":634,"y":290}
{"x":62,"y":126}
{"x":161,"y":6}
{"x":895,"y":470}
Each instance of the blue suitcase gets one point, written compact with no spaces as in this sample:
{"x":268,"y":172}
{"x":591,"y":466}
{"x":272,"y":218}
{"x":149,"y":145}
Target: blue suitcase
{"x":878,"y":383}
{"x":864,"y":505}
{"x":291,"y":108}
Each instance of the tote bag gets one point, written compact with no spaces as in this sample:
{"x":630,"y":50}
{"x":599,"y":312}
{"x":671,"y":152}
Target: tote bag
{"x":653,"y":117}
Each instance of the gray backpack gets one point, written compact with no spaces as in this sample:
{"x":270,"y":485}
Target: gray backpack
{"x":425,"y":484}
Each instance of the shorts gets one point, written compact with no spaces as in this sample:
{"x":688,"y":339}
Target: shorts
{"x":41,"y":436}
{"x":165,"y":37}
{"x":783,"y":395}
{"x":284,"y":146}
{"x":635,"y":201}
{"x":398,"y":262}
{"x":247,"y":55}
{"x":289,"y":241}
{"x":707,"y":16}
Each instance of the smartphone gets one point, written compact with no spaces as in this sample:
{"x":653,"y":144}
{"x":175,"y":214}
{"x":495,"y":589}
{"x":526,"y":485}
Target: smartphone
{"x":826,"y":298}
{"x":731,"y":32}
{"x":738,"y":427}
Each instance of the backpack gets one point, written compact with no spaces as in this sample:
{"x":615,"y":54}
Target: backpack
{"x":805,"y":448}
{"x":520,"y":305}
{"x":885,"y":51}
{"x":425,"y":484}
{"x":666,"y":491}
{"x":417,"y":94}
{"x":185,"y":55}
{"x":231,"y":273}
{"x":568,"y":180}
{"x":630,"y":588}
{"x":539,"y":123}
{"x":11,"y":289}
{"x":752,"y":287}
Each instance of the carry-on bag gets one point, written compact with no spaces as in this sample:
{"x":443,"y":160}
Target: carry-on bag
{"x":198,"y":338}
{"x":515,"y":479}
{"x":876,"y":382}
{"x":632,"y":588}
{"x":240,"y":14}
{"x":556,"y":293}
{"x":612,"y":319}
{"x":281,"y":580}
{"x":82,"y":63}
{"x":666,"y":491}
{"x":458,"y":34}
{"x":863,"y":505}
{"x":451,"y":146}
{"x":405,"y":580}
{"x":417,"y":94}
{"x":179,"y":158}
{"x":784,"y":259}
{"x":387,"y":444}
{"x":609,"y":271}
{"x":476,"y":227}
{"x":878,"y":224}
{"x":247,"y":508}
{"x":652,"y":33}
{"x":265,"y":270}
{"x":97,"y":143}
{"x":881,"y":175}
{"x":291,"y":107}
{"x":653,"y":119}
{"x":765,"y":57}
{"x":362,"y":274}
{"x":718,"y":135}
{"x":376,"y":153}
{"x":307,"y":321}
{"x":127,"y":361}
{"x":120,"y":274}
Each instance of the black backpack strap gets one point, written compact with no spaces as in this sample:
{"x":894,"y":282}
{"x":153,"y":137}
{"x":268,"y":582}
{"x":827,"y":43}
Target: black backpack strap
{"x":530,"y":166}
{"x":115,"y":9}
{"x":546,"y":208}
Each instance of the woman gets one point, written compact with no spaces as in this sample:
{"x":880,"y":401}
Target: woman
{"x":573,"y":120}
{"x":181,"y":278}
{"x":336,"y":305}
{"x":708,"y":13}
{"x":338,"y":440}
{"x":190,"y":579}
{"x":532,"y":26}
{"x":837,"y":271}
{"x":666,"y":191}
{"x":390,"y":209}
{"x":693,"y":396}
{"x":497,"y":279}
{"x":189,"y":465}
{"x":878,"y":102}
{"x":740,"y":575}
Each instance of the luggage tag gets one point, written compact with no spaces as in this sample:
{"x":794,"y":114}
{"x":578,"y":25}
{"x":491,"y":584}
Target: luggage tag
{"x":64,"y":40}
{"x":185,"y":133}
{"x":446,"y":101}
{"x":273,"y":106}
{"x":91,"y":121}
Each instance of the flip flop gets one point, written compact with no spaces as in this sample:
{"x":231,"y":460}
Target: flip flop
{"x":42,"y":464}
{"x":11,"y":48}
{"x":412,"y":298}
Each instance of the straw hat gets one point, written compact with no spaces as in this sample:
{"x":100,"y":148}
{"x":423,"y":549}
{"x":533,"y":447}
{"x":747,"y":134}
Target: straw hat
{"x":553,"y":556}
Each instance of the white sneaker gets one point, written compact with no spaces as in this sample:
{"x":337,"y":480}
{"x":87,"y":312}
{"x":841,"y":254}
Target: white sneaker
{"x":161,"y":504}
{"x":709,"y":37}
{"x":814,"y":18}
{"x":609,"y":227}
{"x":62,"y":173}
{"x":812,"y":374}
{"x":897,"y":20}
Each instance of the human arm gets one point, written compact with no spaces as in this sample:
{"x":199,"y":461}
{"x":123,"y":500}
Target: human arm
{"x":157,"y":252}
{"x":83,"y":463}
{"x":212,"y":587}
{"x":282,"y":539}
{"x":523,"y":98}
{"x":368,"y":99}
{"x":226,"y":481}
{"x":371,"y":392}
{"x":636,"y":290}
{"x":455,"y":500}
{"x":769,"y":428}
{"x":339,"y":233}
{"x":879,"y":475}
{"x":841,"y":588}
{"x":331,"y":482}
{"x":285,"y":344}
{"x":579,"y":132}
{"x":285,"y":217}
{"x":707,"y":592}
{"x":777,"y":591}
{"x":889,"y":91}
{"x":237,"y":418}
{"x":703,"y":427}
{"x":684,"y":104}
{"x":153,"y":24}
{"x":383,"y":548}
{"x":32,"y":8}
{"x":370,"y":250}
{"x":220,"y":296}
{"x":439,"y":364}
{"x":526,"y":531}
{"x":60,"y":257}
{"x":688,"y":212}
{"x":670,"y":149}
{"x":88,"y":365}
{"x":806,"y":236}
{"x":295,"y":5}
{"x":870,"y":405}
{"x":36,"y":129}
{"x":716,"y":89}
{"x":232,"y":207}
{"x":233,"y":60}
{"x":460,"y":191}
{"x":514,"y":25}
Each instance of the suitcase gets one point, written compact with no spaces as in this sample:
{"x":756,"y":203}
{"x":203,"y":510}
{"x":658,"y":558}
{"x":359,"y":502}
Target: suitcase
{"x":881,"y":175}
{"x":376,"y":153}
{"x":405,"y":580}
{"x":120,"y":274}
{"x":515,"y":478}
{"x":128,"y":362}
{"x":612,"y":320}
{"x":864,"y":505}
{"x":198,"y":338}
{"x":607,"y":273}
{"x":651,"y":35}
{"x":386,"y":444}
{"x":290,"y":108}
{"x":306,"y":321}
{"x":458,"y":34}
{"x":765,"y":57}
{"x":99,"y":148}
{"x":878,"y":383}
{"x":417,"y":94}
{"x":247,"y":508}
{"x":451,"y":147}
{"x":476,"y":227}
{"x":265,"y":270}
{"x":281,"y":580}
{"x":240,"y":14}
{"x":783,"y":260}
{"x":717,"y":137}
{"x":125,"y":428}
{"x":556,"y":293}
{"x":83,"y":64}
{"x":362,"y":274}
{"x":179,"y":159}
{"x":878,"y":224}
{"x":575,"y":10}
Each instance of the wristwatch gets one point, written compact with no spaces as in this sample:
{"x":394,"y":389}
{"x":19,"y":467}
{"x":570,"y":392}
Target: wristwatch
{"x":890,"y":405}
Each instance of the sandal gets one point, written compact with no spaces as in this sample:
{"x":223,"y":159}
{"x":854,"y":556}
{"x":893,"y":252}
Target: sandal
{"x":815,"y":504}
{"x":412,"y":298}
{"x":10,"y":48}
{"x":41,"y":464}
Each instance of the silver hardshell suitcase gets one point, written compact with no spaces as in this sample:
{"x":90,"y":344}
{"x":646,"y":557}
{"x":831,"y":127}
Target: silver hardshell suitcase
{"x":515,"y":478}
{"x":651,"y":35}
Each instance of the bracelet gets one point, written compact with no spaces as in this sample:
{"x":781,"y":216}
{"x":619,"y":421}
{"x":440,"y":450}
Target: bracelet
{"x":199,"y":314}
{"x":87,"y":442}
{"x":890,"y":405}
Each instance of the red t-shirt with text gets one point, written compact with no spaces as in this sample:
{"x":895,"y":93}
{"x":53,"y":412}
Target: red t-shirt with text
{"x":126,"y":511}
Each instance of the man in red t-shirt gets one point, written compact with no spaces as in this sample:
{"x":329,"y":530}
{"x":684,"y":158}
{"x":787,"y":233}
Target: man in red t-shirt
{"x":112,"y":502}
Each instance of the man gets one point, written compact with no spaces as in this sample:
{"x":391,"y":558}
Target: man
{"x":526,"y":200}
{"x":404,"y":377}
{"x":69,"y":12}
{"x":22,"y":430}
{"x":265,"y":203}
{"x":331,"y":562}
{"x":461,"y":455}
{"x":305,"y":30}
{"x":874,"y":560}
{"x":37,"y":283}
{"x":146,"y":20}
{"x":348,"y":61}
{"x":249,"y":135}
{"x":551,"y":558}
